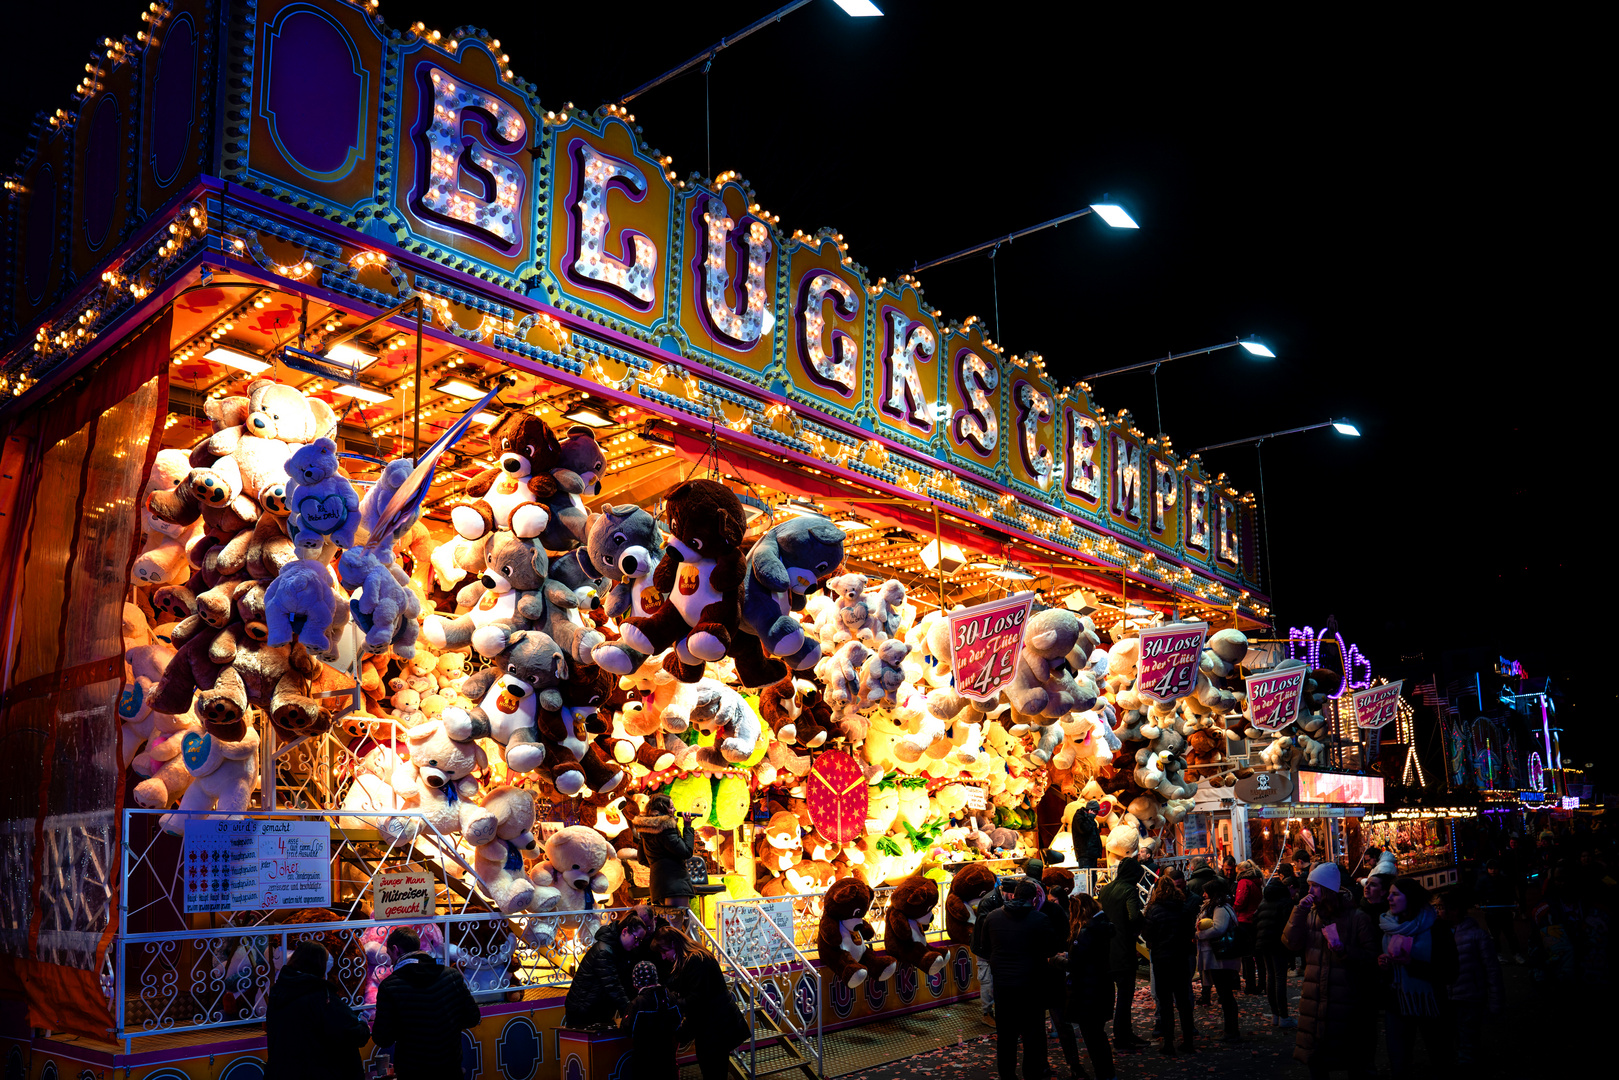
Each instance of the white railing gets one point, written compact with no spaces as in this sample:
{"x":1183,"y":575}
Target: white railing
{"x":756,"y":990}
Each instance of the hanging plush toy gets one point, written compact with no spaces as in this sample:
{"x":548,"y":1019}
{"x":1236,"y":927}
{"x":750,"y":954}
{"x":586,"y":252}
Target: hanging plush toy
{"x":322,"y":505}
{"x":508,"y":697}
{"x":224,"y":766}
{"x":789,"y":560}
{"x":624,"y":544}
{"x":505,"y":495}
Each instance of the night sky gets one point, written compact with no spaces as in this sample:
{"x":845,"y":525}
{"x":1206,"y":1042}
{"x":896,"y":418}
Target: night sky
{"x":1398,"y":208}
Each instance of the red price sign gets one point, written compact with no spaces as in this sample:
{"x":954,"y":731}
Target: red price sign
{"x":985,"y":643}
{"x":1168,"y":666}
{"x":1377,"y":706}
{"x":1273,"y":697}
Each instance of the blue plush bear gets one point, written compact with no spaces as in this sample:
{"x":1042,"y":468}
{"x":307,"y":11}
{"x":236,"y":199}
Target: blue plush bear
{"x":323,"y":506}
{"x":787,"y":562}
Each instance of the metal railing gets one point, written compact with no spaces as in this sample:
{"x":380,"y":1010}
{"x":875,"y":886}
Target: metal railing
{"x":795,"y":1013}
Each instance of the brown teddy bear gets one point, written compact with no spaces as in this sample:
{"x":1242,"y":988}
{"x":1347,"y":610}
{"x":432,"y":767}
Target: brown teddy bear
{"x":972,"y":883}
{"x":844,"y":938}
{"x":905,"y":925}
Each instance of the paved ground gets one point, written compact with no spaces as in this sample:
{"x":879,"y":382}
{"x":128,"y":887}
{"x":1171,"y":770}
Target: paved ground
{"x":1524,"y":1042}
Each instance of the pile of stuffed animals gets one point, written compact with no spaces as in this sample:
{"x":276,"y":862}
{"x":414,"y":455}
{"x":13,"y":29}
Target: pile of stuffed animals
{"x":546,"y":652}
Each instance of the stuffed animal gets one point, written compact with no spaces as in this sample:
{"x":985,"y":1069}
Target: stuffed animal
{"x":445,"y":791}
{"x":163,"y":559}
{"x":322,"y":506}
{"x":844,"y":937}
{"x":383,"y":607}
{"x":700,"y":579}
{"x":779,"y":845}
{"x":508,"y":696}
{"x":499,"y":863}
{"x":572,"y":759}
{"x":576,"y":471}
{"x":881,"y":675}
{"x":789,"y":559}
{"x":971,"y":883}
{"x":300,"y":603}
{"x":782,"y":707}
{"x":910,"y":911}
{"x":624,"y":544}
{"x":505,"y":599}
{"x":509,"y":495}
{"x":382,"y":781}
{"x":223,"y":761}
{"x":570,"y":875}
{"x":723,"y":713}
{"x":840,"y":672}
{"x":162,"y":764}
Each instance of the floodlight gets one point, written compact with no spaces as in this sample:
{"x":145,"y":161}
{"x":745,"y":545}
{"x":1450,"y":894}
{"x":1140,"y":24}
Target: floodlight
{"x":460,"y":388}
{"x":947,"y":556}
{"x":1014,"y":572}
{"x":1344,"y":427}
{"x":237,"y":359}
{"x":860,"y":9}
{"x":352,"y":355}
{"x":485,"y":417}
{"x":361,"y":392}
{"x":589,"y":414}
{"x":1257,"y":349}
{"x":1114,"y":215}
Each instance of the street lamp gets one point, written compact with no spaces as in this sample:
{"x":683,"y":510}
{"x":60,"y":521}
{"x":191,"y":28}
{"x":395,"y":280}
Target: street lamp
{"x":1250,"y":345}
{"x":1342,"y":427}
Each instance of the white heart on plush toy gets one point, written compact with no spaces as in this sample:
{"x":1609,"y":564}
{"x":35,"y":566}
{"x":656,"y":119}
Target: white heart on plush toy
{"x":322,"y":515}
{"x":194,"y":749}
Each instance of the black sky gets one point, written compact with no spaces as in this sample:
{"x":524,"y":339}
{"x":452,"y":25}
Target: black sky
{"x":1405,"y":210}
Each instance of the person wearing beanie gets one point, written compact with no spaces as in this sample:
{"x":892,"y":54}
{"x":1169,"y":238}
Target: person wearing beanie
{"x":1121,"y":900}
{"x":1337,"y":1021}
{"x":653,"y":1024}
{"x":1087,"y":837}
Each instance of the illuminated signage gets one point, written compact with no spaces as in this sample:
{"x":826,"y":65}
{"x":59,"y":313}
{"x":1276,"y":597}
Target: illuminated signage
{"x":1305,"y":644}
{"x":1338,"y":788}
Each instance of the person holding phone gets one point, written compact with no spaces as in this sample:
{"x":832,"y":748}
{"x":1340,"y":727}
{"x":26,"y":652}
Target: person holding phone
{"x":1337,"y":1023}
{"x":666,"y":841}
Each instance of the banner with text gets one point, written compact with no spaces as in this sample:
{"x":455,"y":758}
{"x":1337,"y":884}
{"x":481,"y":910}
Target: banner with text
{"x":1168,"y":666}
{"x":1273,"y":697}
{"x":242,"y":865}
{"x":985,"y":644}
{"x":1376,"y":707}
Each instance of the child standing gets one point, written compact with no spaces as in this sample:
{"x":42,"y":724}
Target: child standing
{"x":653,"y":1025}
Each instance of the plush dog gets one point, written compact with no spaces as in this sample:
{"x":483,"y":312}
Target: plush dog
{"x":844,"y":938}
{"x":625,"y":545}
{"x":788,"y":560}
{"x":505,"y":495}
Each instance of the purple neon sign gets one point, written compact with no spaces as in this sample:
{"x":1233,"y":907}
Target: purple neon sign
{"x":1305,"y":645}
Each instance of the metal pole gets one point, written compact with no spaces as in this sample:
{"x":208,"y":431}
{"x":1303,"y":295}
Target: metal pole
{"x":1164,"y":360}
{"x":938,"y":546}
{"x":416,"y":419}
{"x":1264,"y":527}
{"x":999,"y":240}
{"x":1267,"y":435}
{"x":709,"y":53}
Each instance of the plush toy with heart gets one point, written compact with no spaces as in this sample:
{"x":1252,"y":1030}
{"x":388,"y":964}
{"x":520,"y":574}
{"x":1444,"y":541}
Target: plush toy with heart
{"x":322,"y":505}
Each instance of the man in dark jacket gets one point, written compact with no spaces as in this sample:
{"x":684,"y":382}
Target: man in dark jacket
{"x":1017,"y":940}
{"x":422,"y":1008}
{"x":1087,"y":837}
{"x":986,"y":978}
{"x":1202,"y":874}
{"x":601,"y":987}
{"x":1121,"y":899}
{"x":1269,"y":921}
{"x":309,"y":1030}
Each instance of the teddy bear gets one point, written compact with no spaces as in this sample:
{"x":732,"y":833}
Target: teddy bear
{"x":250,"y":457}
{"x":223,"y":760}
{"x":779,"y":845}
{"x":787,"y":561}
{"x":506,"y":598}
{"x":840,"y":673}
{"x":570,"y":874}
{"x":322,"y":506}
{"x":1217,"y":690}
{"x":851,"y":618}
{"x":910,"y":910}
{"x":499,"y":863}
{"x":444,"y":789}
{"x":700,"y":579}
{"x":572,"y":759}
{"x":624,"y":544}
{"x":161,"y":763}
{"x":528,"y":449}
{"x":382,"y":781}
{"x":384,"y":609}
{"x":881,"y":675}
{"x":504,"y":701}
{"x":844,"y":938}
{"x":720,"y":711}
{"x":968,"y":886}
{"x":783,"y":707}
{"x":300,"y":603}
{"x":163,"y":559}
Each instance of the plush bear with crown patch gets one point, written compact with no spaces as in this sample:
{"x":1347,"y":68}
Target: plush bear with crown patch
{"x":507,"y":699}
{"x":505,"y":495}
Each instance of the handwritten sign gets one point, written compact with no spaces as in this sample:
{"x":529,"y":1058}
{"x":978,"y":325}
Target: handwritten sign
{"x":1273,"y":697}
{"x":985,"y":643}
{"x":1168,"y":666}
{"x":976,"y":798}
{"x":402,"y":892}
{"x":1376,"y":707}
{"x":243,"y":864}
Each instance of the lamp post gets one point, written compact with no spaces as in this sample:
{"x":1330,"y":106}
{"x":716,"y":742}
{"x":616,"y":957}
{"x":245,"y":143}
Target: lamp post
{"x":1342,"y":427}
{"x":1251,"y":345}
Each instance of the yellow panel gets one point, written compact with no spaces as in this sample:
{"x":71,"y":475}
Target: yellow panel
{"x":976,"y":391}
{"x":907,"y":340}
{"x":826,"y":328}
{"x":738,"y":323}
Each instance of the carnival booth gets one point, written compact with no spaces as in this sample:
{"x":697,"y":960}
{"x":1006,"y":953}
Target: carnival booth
{"x":403,"y":481}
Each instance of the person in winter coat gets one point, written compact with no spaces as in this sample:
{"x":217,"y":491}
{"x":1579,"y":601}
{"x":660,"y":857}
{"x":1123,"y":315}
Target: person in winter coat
{"x":1017,"y":941}
{"x":1165,"y":932}
{"x":601,"y":987}
{"x":986,"y":978}
{"x":698,"y":984}
{"x":1476,"y":993}
{"x":309,"y":1030}
{"x":1419,"y":962}
{"x":665,"y":846}
{"x":1090,"y":981}
{"x":1250,"y":886}
{"x":1058,"y":884}
{"x":1087,"y":837}
{"x":1121,"y":899}
{"x":1274,"y":908}
{"x":652,"y":1023}
{"x":1498,"y":895}
{"x":1202,"y":873}
{"x":1337,"y":1025}
{"x":422,"y":1008}
{"x":1218,"y":918}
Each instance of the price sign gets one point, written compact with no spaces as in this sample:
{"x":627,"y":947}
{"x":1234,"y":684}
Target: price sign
{"x":402,"y":892}
{"x":985,"y":643}
{"x":1168,"y":666}
{"x":241,"y":865}
{"x":1273,"y":697}
{"x":1375,"y":708}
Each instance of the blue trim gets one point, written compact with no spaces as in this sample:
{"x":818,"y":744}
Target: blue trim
{"x":357,"y":149}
